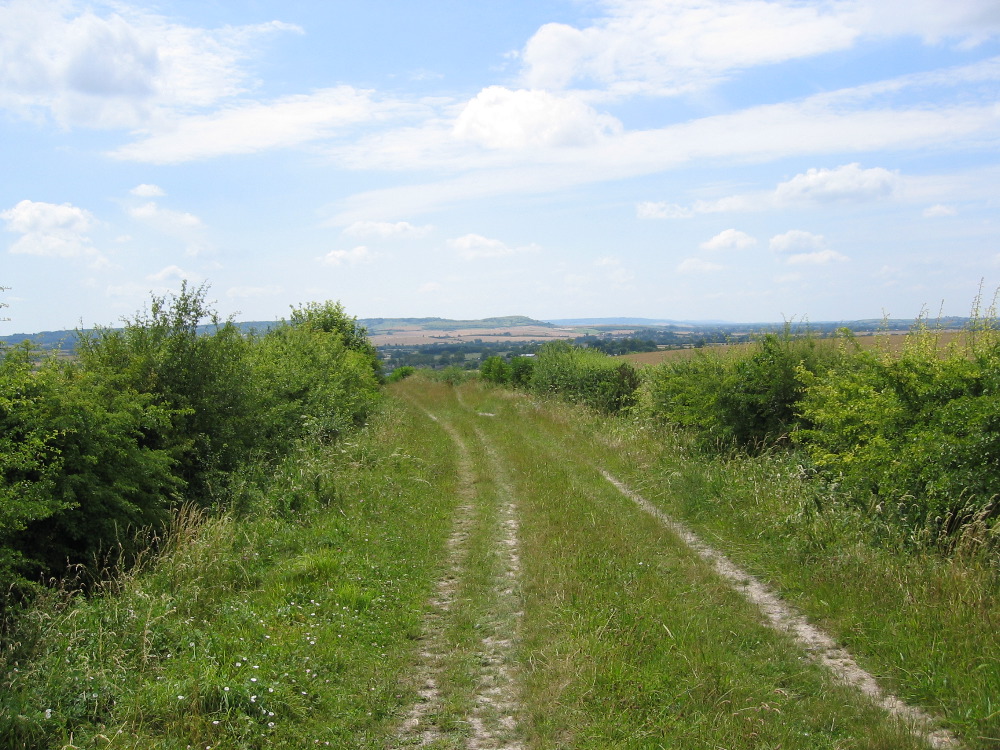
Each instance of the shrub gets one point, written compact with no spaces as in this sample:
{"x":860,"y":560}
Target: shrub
{"x":495,"y":370}
{"x":584,"y":376}
{"x":400,"y":373}
{"x":745,"y":398}
{"x":917,"y":436}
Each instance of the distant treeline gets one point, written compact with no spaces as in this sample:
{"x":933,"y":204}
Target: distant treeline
{"x":665,"y":335}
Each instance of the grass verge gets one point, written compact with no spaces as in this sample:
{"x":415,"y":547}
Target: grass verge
{"x":291,"y":629}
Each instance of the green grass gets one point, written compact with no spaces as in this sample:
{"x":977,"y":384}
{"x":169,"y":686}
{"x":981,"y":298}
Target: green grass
{"x":923,"y":623}
{"x":249,"y":633}
{"x":629,"y":640}
{"x":305,"y":625}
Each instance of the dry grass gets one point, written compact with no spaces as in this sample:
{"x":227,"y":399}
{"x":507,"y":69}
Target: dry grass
{"x":890,"y":343}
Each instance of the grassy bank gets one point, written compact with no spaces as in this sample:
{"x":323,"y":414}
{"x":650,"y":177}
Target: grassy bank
{"x":289,"y":628}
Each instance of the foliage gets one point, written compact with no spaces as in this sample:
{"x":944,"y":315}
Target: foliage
{"x":400,"y":373}
{"x":495,"y":370}
{"x":157,"y":413}
{"x":330,"y":317}
{"x":584,"y":376}
{"x":746,"y":398}
{"x":917,"y":435}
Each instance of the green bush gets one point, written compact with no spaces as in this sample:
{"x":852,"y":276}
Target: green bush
{"x":584,"y":376}
{"x":495,"y":370}
{"x":400,"y":373}
{"x":80,"y":467}
{"x":745,"y":398}
{"x":914,"y":436}
{"x":162,"y":411}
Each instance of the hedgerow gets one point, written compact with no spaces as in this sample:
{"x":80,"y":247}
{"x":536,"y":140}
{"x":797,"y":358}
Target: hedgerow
{"x":157,"y":413}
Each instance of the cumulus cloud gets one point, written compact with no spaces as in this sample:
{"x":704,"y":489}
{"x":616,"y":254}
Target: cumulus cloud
{"x":116,"y":68}
{"x":352,"y":257}
{"x":173,"y":272}
{"x":51,"y":230}
{"x":805,"y":248}
{"x":846,"y":183}
{"x":472,"y":246}
{"x":165,"y":218}
{"x":730,"y":239}
{"x":501,"y":118}
{"x":939,"y":210}
{"x":697,"y":265}
{"x":647,"y":46}
{"x":147,"y":191}
{"x":614,"y":272}
{"x":181,"y":225}
{"x":820,"y":257}
{"x":797,"y":240}
{"x":386,"y":229}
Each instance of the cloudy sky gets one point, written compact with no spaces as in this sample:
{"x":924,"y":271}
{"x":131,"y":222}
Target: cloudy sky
{"x":746,"y":160}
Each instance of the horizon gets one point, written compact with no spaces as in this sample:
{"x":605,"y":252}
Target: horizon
{"x":738,"y":160}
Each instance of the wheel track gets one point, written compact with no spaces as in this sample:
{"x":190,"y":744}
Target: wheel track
{"x":492,"y":720}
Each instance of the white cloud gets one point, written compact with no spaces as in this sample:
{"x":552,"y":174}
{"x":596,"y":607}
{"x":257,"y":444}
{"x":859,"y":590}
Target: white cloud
{"x":666,"y":48}
{"x":472,"y":246}
{"x":250,"y":127}
{"x":116,"y":68}
{"x":647,"y":46}
{"x":939,"y":210}
{"x":173,"y":272}
{"x":51,"y":230}
{"x":730,"y":239}
{"x":500,"y":118}
{"x":253,"y":292}
{"x":180,"y":225}
{"x":851,"y":120}
{"x":697,"y":265}
{"x":352,"y":257}
{"x":663,"y":210}
{"x":846,"y":183}
{"x":165,"y":218}
{"x":147,"y":191}
{"x":820,"y":257}
{"x":788,"y":278}
{"x":430,"y":287}
{"x":797,"y":240}
{"x":387,"y":229}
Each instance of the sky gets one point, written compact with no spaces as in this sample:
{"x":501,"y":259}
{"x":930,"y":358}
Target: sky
{"x":739,"y":160}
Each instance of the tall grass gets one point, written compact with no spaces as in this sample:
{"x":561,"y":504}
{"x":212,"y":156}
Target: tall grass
{"x":288,"y":627}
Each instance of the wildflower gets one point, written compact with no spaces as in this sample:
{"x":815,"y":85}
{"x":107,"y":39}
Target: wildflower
{"x":48,"y":713}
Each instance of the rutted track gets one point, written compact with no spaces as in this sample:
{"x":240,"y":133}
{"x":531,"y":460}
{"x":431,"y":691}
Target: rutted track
{"x":499,"y":694}
{"x":487,"y":699}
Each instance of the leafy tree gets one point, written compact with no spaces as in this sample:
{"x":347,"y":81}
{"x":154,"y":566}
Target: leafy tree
{"x":495,"y":370}
{"x":330,"y":317}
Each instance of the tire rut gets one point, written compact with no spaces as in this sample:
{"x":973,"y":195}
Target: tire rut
{"x":817,"y":644}
{"x":492,"y":720}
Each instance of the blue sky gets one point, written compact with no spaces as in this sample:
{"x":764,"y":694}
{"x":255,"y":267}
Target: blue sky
{"x":746,"y":160}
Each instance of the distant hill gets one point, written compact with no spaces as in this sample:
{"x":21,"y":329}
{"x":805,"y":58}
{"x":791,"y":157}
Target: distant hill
{"x":65,"y":340}
{"x":633,"y":322}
